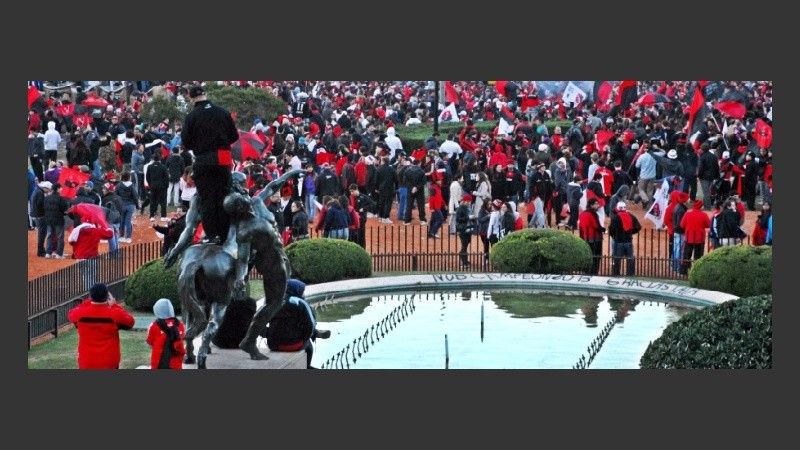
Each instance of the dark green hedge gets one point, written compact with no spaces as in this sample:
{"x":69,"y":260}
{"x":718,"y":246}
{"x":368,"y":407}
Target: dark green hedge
{"x":740,"y":270}
{"x":150,"y":283}
{"x":247,"y":103}
{"x":541,"y":250}
{"x":413,"y":137}
{"x":322,"y":260}
{"x":158,"y":109}
{"x":734,"y":335}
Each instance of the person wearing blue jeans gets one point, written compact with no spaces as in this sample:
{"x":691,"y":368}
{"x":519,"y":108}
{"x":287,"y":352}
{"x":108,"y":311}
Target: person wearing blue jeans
{"x":126,"y":190}
{"x":402,"y":196}
{"x":310,"y":193}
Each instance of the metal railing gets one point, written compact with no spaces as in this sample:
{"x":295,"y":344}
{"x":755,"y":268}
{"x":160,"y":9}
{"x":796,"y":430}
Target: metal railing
{"x":393,"y":248}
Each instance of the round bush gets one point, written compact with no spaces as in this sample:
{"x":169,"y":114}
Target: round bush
{"x":323,"y":260}
{"x":541,"y":250}
{"x":150,"y":283}
{"x":733,"y":335}
{"x":740,"y":270}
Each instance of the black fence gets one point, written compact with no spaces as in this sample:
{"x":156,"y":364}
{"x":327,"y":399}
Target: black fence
{"x":393,"y":248}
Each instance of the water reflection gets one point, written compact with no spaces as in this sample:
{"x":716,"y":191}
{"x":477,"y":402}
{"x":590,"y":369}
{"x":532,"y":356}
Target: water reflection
{"x":488,"y":329}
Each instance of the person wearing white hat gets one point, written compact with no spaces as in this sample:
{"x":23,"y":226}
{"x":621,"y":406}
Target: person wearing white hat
{"x":622,"y":227}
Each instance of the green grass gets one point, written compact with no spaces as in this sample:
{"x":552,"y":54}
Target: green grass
{"x":61,"y":352}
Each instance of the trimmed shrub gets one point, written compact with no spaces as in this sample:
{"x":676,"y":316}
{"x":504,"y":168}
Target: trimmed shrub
{"x":160,"y":108}
{"x":414,"y":136}
{"x":247,"y":103}
{"x":150,"y":283}
{"x":322,"y":260}
{"x":740,"y":270}
{"x":541,"y":250}
{"x":736,"y":334}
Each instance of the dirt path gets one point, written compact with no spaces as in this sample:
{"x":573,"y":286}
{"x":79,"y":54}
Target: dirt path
{"x":399,"y":234}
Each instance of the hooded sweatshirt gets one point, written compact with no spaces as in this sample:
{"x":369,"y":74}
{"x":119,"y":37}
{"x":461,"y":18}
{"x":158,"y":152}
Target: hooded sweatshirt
{"x":51,"y":137}
{"x":619,"y":196}
{"x":674,"y":198}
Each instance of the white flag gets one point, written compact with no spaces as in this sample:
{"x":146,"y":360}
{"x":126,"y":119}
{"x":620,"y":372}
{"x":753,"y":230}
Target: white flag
{"x":449,"y":114}
{"x":573,"y":94}
{"x":656,"y":211}
{"x":504,"y":127}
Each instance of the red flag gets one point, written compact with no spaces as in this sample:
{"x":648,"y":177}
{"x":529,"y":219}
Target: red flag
{"x":450,"y":93}
{"x":602,"y":138}
{"x":82,"y":120}
{"x":66,"y":109}
{"x":70,"y":180}
{"x":33,"y":95}
{"x":529,"y":102}
{"x":733,"y":103}
{"x":627,"y":94}
{"x":501,"y":87}
{"x":763,"y":134}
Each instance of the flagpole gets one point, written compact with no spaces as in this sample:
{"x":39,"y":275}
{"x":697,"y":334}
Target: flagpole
{"x":436,"y":107}
{"x":725,"y":141}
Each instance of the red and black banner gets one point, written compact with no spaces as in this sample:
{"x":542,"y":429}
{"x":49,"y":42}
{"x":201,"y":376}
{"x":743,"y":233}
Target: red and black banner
{"x":35,"y":100}
{"x":628,"y":93}
{"x":698,"y":111}
{"x":601,"y":91}
{"x":733,"y":103}
{"x":507,"y":89}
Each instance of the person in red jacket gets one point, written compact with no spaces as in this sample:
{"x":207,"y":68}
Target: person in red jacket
{"x":592,"y":231}
{"x":695,"y":224}
{"x":165,"y":336}
{"x":85,"y":239}
{"x":436,"y":204}
{"x":99,"y":319}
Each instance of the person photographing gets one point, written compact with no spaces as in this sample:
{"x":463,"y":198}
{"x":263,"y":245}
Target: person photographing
{"x":209,"y":131}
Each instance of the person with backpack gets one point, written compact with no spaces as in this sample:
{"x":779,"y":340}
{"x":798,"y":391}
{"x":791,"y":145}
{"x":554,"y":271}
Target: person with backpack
{"x":622,"y":227}
{"x":165,"y":336}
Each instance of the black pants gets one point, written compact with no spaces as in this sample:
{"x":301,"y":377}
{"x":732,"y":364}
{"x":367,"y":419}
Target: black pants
{"x":213,"y":184}
{"x":36,"y":166}
{"x":690,"y":186}
{"x":419,"y":197}
{"x":597,"y":253}
{"x":462,"y":253}
{"x":385,"y":199}
{"x":158,"y":198}
{"x":692,"y":251}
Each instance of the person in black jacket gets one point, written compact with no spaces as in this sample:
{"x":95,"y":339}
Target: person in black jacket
{"x":55,"y":207}
{"x":209,"y":131}
{"x":294,"y":327}
{"x":728,"y":230}
{"x":621,"y":228}
{"x":386,"y":182}
{"x":175,"y":165}
{"x":414,"y":177}
{"x":172,"y":232}
{"x":327,"y":182}
{"x":157,"y":179}
{"x":690,"y":162}
{"x":37,"y":212}
{"x":363,"y":205}
{"x":707,"y":172}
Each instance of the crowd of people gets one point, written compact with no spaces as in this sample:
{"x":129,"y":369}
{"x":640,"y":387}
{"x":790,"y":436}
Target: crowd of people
{"x":356,"y":167}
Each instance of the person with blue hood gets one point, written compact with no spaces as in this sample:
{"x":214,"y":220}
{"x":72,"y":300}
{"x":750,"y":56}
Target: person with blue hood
{"x":294,"y":327}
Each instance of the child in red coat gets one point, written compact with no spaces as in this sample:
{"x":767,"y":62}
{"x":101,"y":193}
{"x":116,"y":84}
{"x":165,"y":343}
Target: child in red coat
{"x":165,"y":336}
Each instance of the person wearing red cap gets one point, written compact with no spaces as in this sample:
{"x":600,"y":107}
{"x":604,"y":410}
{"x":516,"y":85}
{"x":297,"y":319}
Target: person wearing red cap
{"x":209,"y":131}
{"x":694,"y":223}
{"x":465,"y":227}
